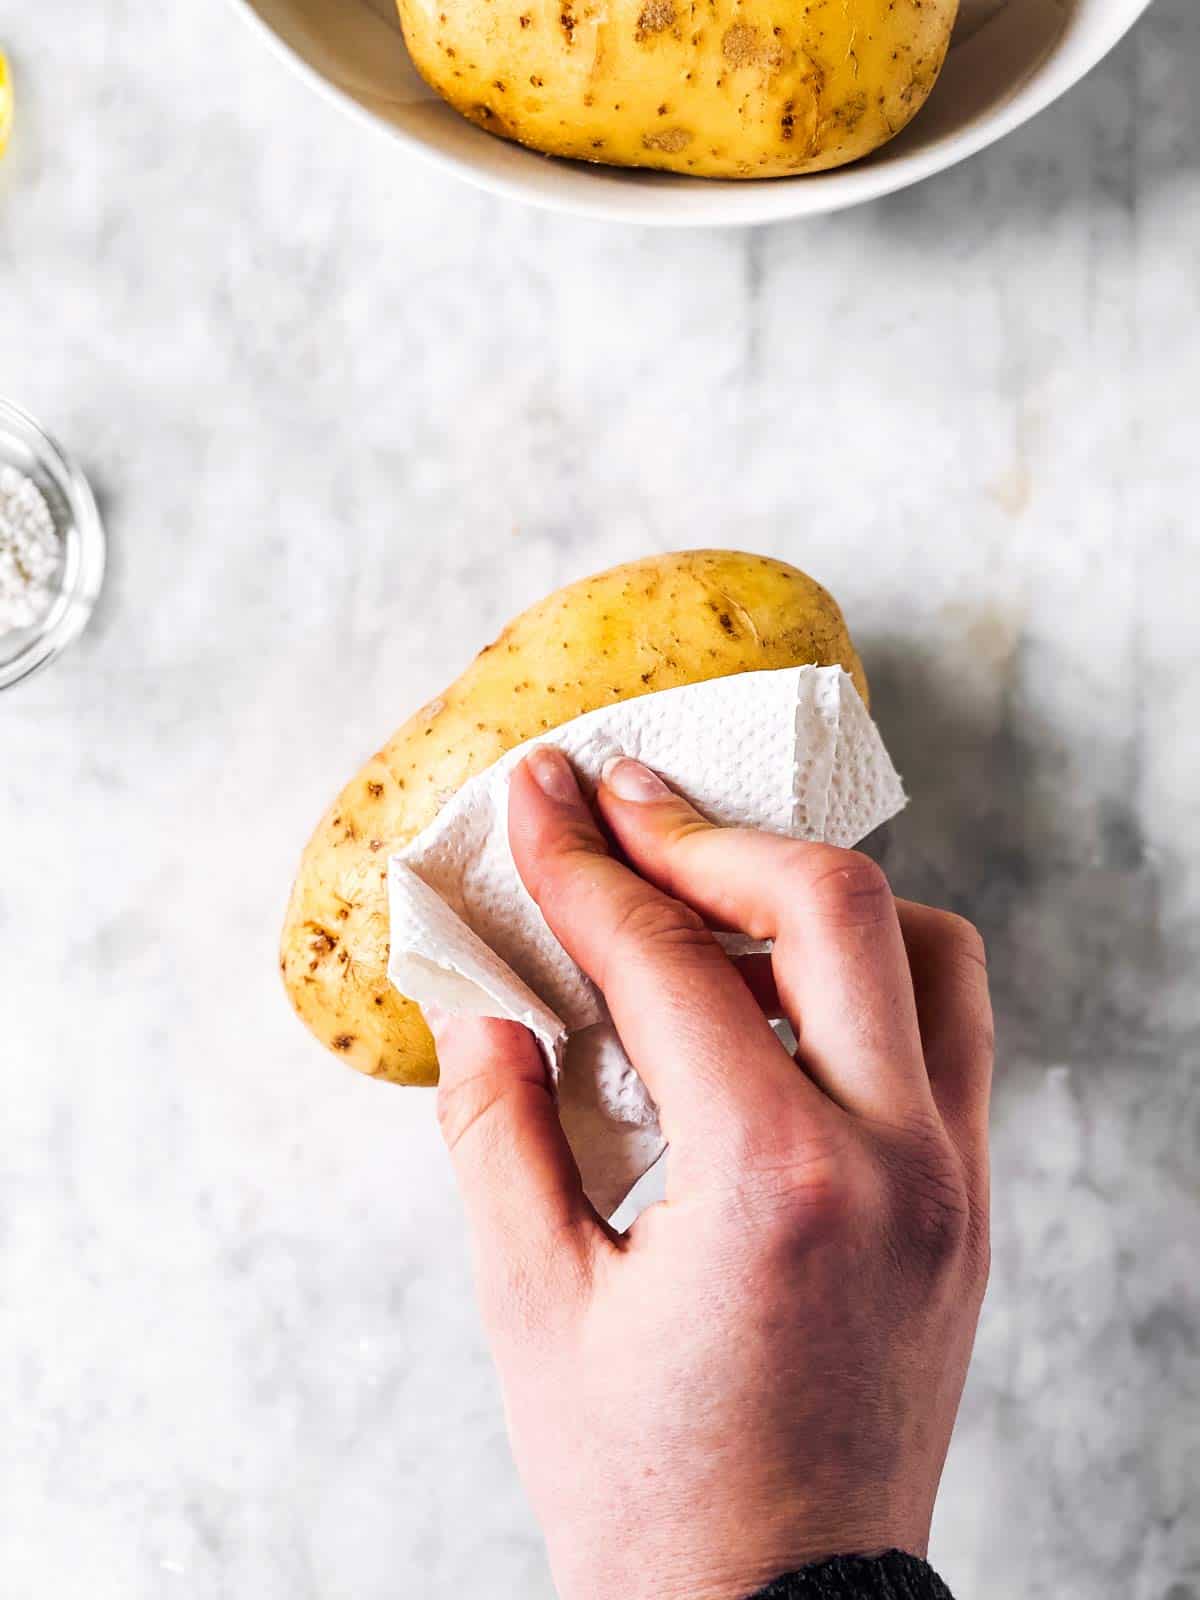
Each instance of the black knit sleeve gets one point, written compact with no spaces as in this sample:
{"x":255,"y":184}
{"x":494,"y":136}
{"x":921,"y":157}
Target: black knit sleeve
{"x":894,"y":1576}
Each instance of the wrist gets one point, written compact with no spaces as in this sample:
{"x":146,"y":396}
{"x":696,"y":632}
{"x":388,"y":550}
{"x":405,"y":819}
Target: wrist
{"x":714,"y":1558}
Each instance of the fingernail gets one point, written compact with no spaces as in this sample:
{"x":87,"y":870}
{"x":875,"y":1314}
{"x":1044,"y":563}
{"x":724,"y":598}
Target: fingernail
{"x":552,"y":773}
{"x":630,"y":780}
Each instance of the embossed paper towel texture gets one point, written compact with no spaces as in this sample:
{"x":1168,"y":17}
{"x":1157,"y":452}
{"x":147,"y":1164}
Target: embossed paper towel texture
{"x":792,"y":751}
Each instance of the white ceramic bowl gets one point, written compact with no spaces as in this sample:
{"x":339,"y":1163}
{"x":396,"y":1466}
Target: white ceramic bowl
{"x":1009,"y":59}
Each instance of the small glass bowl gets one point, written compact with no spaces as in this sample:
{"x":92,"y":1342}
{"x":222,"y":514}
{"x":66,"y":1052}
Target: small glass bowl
{"x":24,"y":445}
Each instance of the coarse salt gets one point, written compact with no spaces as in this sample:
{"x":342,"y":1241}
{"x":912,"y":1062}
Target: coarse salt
{"x":30,"y":552}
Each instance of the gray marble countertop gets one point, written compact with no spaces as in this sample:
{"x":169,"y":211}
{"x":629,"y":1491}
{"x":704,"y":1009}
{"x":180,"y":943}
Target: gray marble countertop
{"x":344,"y":417}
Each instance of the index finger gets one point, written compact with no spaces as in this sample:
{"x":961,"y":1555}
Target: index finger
{"x":690,"y":1025}
{"x":839,"y":959}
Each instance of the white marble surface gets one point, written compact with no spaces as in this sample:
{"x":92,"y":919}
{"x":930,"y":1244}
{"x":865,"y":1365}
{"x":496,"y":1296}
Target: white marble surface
{"x":344,"y":418}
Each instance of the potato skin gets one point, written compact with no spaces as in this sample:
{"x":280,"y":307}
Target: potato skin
{"x":654,"y":624}
{"x":715,"y":88}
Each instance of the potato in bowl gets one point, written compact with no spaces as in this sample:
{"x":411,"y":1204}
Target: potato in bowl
{"x":713,"y":88}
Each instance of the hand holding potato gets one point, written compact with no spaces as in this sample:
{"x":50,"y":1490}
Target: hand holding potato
{"x":649,"y":625}
{"x":766,"y":1369}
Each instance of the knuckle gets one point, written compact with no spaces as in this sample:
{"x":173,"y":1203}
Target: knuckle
{"x":552,"y":872}
{"x":930,"y":1212}
{"x":564,"y":886}
{"x":682,"y":825}
{"x":965,"y":937}
{"x":963,"y":950}
{"x":846,"y":887}
{"x":936,"y":1229}
{"x":656,"y":919}
{"x":827,"y":1195}
{"x":802,"y":1194}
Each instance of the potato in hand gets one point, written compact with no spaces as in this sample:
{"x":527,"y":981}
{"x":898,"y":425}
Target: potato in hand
{"x":654,"y":624}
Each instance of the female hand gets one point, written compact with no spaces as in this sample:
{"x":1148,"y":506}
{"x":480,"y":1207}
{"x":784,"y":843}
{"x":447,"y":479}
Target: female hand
{"x":765,"y":1370}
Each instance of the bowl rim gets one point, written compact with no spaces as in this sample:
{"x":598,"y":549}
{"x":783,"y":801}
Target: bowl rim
{"x":752,"y":203}
{"x":83,"y":575}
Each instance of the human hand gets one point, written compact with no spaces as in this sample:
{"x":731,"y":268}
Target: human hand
{"x":766,"y":1369}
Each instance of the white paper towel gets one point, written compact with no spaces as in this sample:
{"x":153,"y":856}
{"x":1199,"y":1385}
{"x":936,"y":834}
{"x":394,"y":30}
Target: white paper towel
{"x":792,"y":752}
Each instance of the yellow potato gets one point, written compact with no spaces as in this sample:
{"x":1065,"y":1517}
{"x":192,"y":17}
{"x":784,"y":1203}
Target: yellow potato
{"x":721,"y":89}
{"x":653,"y":624}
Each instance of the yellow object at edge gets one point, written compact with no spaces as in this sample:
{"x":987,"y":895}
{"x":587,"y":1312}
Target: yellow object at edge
{"x":6,"y":102}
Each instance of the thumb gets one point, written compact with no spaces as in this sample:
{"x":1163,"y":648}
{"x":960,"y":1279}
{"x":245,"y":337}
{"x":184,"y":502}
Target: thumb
{"x":520,"y":1186}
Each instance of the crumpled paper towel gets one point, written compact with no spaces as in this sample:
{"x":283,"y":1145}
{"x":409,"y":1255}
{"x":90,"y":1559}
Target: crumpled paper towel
{"x":792,"y":751}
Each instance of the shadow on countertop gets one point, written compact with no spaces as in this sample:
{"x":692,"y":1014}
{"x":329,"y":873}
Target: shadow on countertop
{"x":1055,"y":872}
